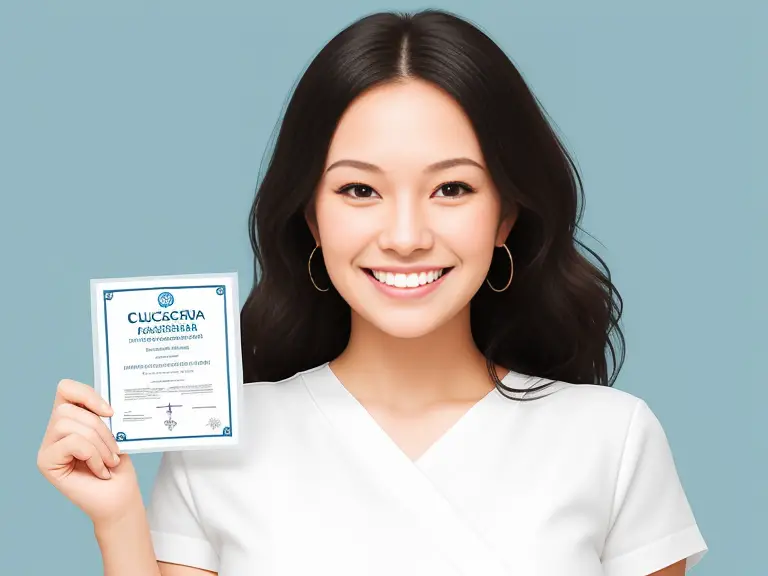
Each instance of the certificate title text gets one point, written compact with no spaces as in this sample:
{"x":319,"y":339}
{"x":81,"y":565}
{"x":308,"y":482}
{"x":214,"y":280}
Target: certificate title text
{"x":164,"y":321}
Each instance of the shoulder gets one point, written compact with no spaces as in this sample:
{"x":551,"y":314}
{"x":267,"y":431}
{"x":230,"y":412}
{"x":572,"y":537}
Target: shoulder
{"x":281,"y":406}
{"x":271,"y":410}
{"x":566,"y":401}
{"x":591,"y":417}
{"x":609,"y":438}
{"x":276,"y":417}
{"x":274,"y":394}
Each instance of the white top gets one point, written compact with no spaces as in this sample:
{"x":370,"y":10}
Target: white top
{"x":580,"y":482}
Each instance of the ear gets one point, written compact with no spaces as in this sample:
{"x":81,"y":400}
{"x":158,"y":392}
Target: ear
{"x":506,"y":225}
{"x":309,"y":216}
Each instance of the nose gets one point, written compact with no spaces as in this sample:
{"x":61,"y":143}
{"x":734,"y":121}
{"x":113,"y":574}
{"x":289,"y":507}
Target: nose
{"x":406,"y":228}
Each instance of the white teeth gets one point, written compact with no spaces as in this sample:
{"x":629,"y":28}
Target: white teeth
{"x":412,"y":280}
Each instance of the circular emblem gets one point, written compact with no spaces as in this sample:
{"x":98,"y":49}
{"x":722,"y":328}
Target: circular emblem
{"x":120,"y":437}
{"x":220,"y":290}
{"x":165,"y":299}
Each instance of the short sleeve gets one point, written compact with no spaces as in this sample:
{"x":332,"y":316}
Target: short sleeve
{"x":177,"y":533}
{"x":652,"y":524}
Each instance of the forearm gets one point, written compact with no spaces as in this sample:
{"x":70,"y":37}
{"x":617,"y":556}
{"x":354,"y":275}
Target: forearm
{"x":126,"y":546}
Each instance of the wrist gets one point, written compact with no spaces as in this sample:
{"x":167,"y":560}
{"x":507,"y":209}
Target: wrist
{"x":126,"y":544}
{"x":133,"y":517}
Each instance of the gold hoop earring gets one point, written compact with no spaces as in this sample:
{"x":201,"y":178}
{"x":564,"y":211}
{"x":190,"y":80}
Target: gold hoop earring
{"x":309,"y":269}
{"x":511,"y":271}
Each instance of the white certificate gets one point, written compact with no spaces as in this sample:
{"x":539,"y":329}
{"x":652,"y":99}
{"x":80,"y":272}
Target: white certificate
{"x":167,"y":358}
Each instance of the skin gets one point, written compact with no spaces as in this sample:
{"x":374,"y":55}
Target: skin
{"x":404,"y":214}
{"x":410,"y":361}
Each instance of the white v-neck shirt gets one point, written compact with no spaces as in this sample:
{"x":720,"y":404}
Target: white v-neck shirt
{"x":580,"y":482}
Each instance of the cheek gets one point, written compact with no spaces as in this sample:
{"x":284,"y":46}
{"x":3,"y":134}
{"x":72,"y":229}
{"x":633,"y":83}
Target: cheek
{"x":343,"y":234}
{"x":470,"y":232}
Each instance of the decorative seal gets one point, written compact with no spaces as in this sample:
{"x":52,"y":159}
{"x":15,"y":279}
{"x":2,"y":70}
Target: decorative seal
{"x":165,"y":299}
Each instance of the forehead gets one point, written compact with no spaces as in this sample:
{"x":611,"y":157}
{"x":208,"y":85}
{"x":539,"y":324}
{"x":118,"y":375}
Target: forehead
{"x":410,"y":123}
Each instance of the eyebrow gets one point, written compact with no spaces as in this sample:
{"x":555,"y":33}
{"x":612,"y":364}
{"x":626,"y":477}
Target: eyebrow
{"x":436,"y":167}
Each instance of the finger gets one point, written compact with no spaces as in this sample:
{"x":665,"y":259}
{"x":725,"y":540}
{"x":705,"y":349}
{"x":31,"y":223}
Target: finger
{"x":76,"y":447}
{"x":86,"y":417}
{"x":66,"y":426}
{"x":72,"y":392}
{"x":91,"y":420}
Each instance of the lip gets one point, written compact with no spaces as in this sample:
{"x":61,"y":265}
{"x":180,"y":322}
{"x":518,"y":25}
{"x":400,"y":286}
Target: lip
{"x":406,"y":293}
{"x":407,"y":269}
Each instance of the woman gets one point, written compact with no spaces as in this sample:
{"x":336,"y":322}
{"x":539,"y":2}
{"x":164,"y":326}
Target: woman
{"x":425,"y":348}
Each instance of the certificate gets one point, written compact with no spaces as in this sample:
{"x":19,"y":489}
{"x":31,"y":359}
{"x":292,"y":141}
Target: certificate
{"x":167,"y":358}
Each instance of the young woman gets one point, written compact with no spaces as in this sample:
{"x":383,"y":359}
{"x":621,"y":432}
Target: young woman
{"x":425,"y":348}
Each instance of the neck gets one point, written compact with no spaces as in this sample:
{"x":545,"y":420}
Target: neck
{"x":410,"y":372}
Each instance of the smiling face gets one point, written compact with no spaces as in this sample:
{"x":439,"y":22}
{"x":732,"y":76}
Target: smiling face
{"x":406,"y":214}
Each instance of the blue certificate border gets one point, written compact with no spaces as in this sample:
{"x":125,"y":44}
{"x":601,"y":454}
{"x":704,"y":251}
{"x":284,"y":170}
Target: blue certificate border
{"x":107,"y":295}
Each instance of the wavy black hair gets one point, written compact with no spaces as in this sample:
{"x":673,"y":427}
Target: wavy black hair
{"x":556,"y":319}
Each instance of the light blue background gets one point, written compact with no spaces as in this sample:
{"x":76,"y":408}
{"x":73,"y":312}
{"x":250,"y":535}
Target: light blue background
{"x":131,"y":141}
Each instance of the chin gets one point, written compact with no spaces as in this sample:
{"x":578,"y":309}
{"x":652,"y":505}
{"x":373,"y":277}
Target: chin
{"x":406,"y":318}
{"x":405,"y":324}
{"x":406,"y":331}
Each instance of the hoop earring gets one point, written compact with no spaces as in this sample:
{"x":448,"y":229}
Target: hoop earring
{"x":309,"y":269}
{"x":511,"y":272}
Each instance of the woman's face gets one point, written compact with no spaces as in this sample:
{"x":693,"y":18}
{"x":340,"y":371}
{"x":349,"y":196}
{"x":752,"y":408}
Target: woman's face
{"x":406,"y":214}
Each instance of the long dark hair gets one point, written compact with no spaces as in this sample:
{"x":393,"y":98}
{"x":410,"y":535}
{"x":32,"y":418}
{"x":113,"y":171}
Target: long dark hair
{"x":556,"y":319}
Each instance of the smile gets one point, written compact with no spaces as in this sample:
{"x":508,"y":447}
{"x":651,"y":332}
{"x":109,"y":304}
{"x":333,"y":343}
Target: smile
{"x":407,"y":281}
{"x":410,"y":280}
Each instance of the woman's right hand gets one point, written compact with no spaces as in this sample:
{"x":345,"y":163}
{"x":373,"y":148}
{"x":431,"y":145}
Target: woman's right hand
{"x":78,"y":455}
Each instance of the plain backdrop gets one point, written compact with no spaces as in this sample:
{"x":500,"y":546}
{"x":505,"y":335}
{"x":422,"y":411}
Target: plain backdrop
{"x":132,"y":137}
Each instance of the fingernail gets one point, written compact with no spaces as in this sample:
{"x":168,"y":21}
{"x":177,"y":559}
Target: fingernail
{"x":106,"y":475}
{"x":116,"y":458}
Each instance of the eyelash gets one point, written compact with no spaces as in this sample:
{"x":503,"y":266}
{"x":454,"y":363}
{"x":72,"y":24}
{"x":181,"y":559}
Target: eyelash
{"x":464,"y":186}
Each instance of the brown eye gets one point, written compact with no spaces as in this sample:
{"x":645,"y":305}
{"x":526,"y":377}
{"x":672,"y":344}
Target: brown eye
{"x":363,"y":191}
{"x":453,"y":190}
{"x":358,"y":191}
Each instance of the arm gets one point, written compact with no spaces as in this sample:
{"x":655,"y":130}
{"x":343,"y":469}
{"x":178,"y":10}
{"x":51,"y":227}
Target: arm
{"x":179,"y":570}
{"x":676,"y":569}
{"x":126,"y":549}
{"x":652,"y":528}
